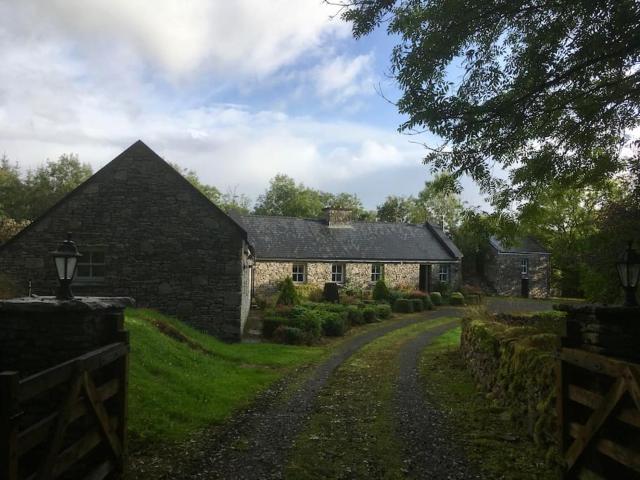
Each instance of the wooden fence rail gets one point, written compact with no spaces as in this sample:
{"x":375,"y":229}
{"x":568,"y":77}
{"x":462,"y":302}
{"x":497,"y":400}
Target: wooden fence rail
{"x":598,"y":410}
{"x":83,"y":434}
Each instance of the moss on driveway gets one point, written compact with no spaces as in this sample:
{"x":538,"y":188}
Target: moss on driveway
{"x":352,"y":434}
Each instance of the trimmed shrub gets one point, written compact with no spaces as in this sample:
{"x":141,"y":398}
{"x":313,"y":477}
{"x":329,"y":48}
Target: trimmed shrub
{"x":383,"y":311}
{"x":330,"y":293}
{"x":394,"y":295}
{"x":403,"y":305}
{"x":310,"y":322}
{"x":369,"y":314}
{"x":444,"y":288}
{"x":416,"y":294}
{"x":309,"y":292}
{"x":271,"y":323}
{"x":334,"y":325}
{"x":354,"y":315}
{"x":288,"y":294}
{"x":428,"y":304}
{"x":456,"y":298}
{"x":290,"y":335}
{"x":418,"y":304}
{"x":350,"y":300}
{"x":380,"y":291}
{"x":436,"y":298}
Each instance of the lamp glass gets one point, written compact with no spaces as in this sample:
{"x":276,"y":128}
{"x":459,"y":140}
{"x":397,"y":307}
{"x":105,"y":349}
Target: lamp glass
{"x":61,"y":266}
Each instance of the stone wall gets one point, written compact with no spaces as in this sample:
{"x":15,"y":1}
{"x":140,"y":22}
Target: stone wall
{"x":38,"y":333}
{"x":516,"y":366}
{"x":164,"y":244}
{"x":503,"y":273}
{"x":269,"y":274}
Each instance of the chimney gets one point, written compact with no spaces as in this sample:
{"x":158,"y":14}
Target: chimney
{"x":337,"y":217}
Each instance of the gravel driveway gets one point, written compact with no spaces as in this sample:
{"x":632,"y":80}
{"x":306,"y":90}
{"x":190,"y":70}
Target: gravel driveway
{"x":429,"y":442}
{"x":255,"y":444}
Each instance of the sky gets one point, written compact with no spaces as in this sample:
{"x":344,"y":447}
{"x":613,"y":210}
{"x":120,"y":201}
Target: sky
{"x":236,"y":91}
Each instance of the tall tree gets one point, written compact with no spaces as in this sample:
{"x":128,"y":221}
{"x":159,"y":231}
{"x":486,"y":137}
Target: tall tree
{"x":395,"y":209}
{"x":546,"y":89}
{"x":285,"y":197}
{"x":564,"y":220}
{"x":438,"y":202}
{"x":618,"y":222}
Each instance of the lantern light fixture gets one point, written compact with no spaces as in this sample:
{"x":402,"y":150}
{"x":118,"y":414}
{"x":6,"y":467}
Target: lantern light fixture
{"x":628,"y":266}
{"x":66,"y":261}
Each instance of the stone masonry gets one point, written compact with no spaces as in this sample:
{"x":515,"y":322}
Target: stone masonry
{"x":38,"y":333}
{"x":162,"y":242}
{"x":503,"y":272}
{"x":397,"y":275}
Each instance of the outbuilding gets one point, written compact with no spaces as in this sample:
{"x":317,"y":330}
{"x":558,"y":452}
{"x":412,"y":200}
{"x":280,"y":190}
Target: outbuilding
{"x":144,"y":232}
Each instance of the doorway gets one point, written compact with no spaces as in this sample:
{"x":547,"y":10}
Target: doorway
{"x":524,"y":287}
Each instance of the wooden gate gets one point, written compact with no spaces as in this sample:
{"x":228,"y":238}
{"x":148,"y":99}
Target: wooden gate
{"x":85,"y":434}
{"x":598,"y":408}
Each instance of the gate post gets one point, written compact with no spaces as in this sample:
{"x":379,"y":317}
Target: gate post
{"x":9,"y":414}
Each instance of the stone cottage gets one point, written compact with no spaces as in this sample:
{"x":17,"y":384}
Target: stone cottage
{"x":336,"y":249}
{"x":522,"y":269}
{"x":144,"y":232}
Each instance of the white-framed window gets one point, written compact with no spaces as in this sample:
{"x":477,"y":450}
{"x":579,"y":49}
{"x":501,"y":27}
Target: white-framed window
{"x":524,"y":266}
{"x":91,"y":266}
{"x":443,"y":273}
{"x":337,"y":272}
{"x":377,"y":272}
{"x":298,"y":273}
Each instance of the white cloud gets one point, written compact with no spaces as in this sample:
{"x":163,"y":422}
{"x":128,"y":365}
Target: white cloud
{"x":253,"y":37}
{"x":340,"y":78}
{"x":72,"y":81}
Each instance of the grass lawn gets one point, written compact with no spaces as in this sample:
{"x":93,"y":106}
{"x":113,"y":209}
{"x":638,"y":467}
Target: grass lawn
{"x":490,"y":439}
{"x":352,"y":434}
{"x":182,"y":380}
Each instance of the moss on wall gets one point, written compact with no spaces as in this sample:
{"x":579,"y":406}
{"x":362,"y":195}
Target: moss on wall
{"x":516,"y":365}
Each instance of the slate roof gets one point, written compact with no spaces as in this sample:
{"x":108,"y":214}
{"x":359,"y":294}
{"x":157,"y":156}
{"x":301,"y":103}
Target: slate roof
{"x":521,"y":245}
{"x":289,"y":238}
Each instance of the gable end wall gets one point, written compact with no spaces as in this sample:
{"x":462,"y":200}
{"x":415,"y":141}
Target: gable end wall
{"x":163,"y":244}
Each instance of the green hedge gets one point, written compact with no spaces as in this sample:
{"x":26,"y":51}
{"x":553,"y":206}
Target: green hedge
{"x":456,"y":298}
{"x":354,"y":315}
{"x":369,"y":314}
{"x":383,"y":311}
{"x":418,"y":304}
{"x":428,"y":304}
{"x":436,"y":298}
{"x":334,"y":325}
{"x":403,"y":305}
{"x":516,"y":364}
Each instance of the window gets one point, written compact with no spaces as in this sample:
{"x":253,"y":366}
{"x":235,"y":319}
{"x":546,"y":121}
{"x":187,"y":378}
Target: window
{"x":376,"y":272}
{"x":337,"y":273}
{"x":91,"y":266}
{"x":524,"y":266}
{"x":298,"y":273}
{"x":443,"y":273}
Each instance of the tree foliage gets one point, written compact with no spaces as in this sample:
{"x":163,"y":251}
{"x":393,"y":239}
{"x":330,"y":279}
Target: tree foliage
{"x":24,"y":197}
{"x":438,"y":202}
{"x":285,"y":197}
{"x":563,"y":220}
{"x":546,"y":89}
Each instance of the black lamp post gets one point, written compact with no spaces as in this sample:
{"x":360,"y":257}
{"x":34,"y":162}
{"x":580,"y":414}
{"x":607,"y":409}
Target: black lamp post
{"x":66,"y":260}
{"x":629,"y":272}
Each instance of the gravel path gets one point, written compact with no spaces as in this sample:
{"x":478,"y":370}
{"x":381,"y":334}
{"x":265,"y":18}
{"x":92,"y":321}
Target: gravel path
{"x":430,"y":445}
{"x":255,"y":444}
